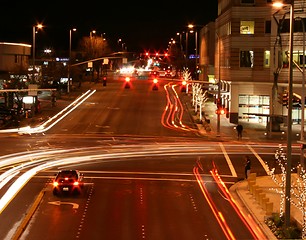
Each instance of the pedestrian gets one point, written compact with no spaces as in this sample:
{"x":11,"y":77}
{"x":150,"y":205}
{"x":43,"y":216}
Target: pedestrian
{"x":53,"y":99}
{"x":239,"y":129}
{"x":247,"y":167}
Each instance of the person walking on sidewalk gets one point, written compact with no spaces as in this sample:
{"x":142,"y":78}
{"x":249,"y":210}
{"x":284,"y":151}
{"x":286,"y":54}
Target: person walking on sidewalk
{"x":247,"y":167}
{"x":239,"y":129}
{"x":53,"y":98}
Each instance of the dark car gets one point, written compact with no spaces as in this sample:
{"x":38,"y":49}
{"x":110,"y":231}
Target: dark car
{"x":68,"y":181}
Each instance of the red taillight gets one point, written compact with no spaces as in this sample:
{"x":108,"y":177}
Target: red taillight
{"x":55,"y":184}
{"x":76,"y":183}
{"x":155,"y":80}
{"x":184,"y":83}
{"x":127,"y":79}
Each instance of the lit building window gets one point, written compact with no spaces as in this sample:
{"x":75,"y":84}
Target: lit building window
{"x":247,"y":27}
{"x":267,"y":58}
{"x":246,"y":59}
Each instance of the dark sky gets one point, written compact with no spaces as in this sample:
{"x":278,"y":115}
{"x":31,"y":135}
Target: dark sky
{"x":145,"y":25}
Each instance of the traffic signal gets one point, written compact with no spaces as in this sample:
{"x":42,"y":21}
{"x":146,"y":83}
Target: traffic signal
{"x":218,"y":102}
{"x":280,"y":98}
{"x":285,"y":99}
{"x":221,"y":111}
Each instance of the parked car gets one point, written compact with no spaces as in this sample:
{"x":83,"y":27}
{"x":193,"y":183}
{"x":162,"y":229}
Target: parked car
{"x":68,"y":181}
{"x":6,"y":114}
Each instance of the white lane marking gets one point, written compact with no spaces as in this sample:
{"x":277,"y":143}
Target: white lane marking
{"x":259,"y":159}
{"x":58,"y":203}
{"x":228,"y":160}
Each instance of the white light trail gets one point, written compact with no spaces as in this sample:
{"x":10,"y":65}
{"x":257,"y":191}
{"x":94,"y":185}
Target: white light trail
{"x":53,"y":120}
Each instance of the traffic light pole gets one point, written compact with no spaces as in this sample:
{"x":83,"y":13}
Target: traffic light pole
{"x":219,"y":87}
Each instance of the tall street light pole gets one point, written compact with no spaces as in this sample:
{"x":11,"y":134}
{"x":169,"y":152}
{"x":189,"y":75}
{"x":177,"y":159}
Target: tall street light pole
{"x":289,"y":120}
{"x":303,"y":97}
{"x":280,"y":4}
{"x":69,"y":61}
{"x":38,"y":26}
{"x":186,"y":48}
{"x":193,"y":29}
{"x":289,"y":117}
{"x":219,"y":85}
{"x":196,"y":56}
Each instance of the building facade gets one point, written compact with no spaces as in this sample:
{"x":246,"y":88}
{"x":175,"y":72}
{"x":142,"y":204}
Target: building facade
{"x":251,"y":58}
{"x":14,"y":58}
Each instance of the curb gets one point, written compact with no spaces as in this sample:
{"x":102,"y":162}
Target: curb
{"x":28,"y":216}
{"x":265,"y":229}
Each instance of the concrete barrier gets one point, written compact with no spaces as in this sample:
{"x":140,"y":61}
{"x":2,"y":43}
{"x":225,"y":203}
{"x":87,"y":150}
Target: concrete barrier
{"x":251,"y":183}
{"x":253,"y":189}
{"x":252,"y":177}
{"x":269,"y":208}
{"x":257,"y":192}
{"x":260,"y":197}
{"x":264,"y":202}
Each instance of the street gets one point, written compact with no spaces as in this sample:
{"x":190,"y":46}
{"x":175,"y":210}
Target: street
{"x":137,"y":149}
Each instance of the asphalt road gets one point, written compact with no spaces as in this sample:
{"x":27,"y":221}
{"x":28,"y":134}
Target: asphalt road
{"x":138,"y":149}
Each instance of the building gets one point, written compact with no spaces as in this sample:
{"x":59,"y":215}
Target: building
{"x":14,"y":59}
{"x":251,"y":58}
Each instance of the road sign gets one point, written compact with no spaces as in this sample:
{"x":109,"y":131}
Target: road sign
{"x":32,"y":91}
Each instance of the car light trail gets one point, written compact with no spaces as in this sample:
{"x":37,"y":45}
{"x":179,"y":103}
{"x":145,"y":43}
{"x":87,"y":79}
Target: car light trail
{"x":247,"y":220}
{"x":53,"y":120}
{"x":36,"y":161}
{"x":226,"y":230}
{"x":173,"y":113}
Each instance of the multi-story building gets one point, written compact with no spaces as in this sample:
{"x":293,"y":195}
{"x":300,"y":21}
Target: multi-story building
{"x":251,"y":58}
{"x":14,"y":59}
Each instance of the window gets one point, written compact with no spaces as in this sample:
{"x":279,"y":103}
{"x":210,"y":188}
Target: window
{"x":247,"y":1}
{"x":251,"y":106}
{"x":247,"y":27}
{"x":268,"y":27}
{"x":301,"y":60}
{"x":246,"y":59}
{"x":267,"y":58}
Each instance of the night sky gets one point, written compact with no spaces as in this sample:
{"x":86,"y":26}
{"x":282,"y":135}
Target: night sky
{"x":143,"y":25}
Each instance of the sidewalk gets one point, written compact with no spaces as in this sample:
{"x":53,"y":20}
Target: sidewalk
{"x":262,"y":198}
{"x":258,"y":196}
{"x":252,"y":132}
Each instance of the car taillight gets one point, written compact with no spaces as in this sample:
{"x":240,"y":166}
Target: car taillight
{"x":55,"y":184}
{"x":184,"y":83}
{"x":155,"y":80}
{"x":127,"y":79}
{"x":76,"y":183}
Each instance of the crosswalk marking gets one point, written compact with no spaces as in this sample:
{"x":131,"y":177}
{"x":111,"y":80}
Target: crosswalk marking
{"x":228,"y":160}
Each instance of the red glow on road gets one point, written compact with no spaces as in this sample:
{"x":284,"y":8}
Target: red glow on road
{"x":172,"y":116}
{"x":248,"y":221}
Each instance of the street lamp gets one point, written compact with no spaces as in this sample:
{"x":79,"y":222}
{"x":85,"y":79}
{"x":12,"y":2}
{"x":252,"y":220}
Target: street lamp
{"x":302,"y":97}
{"x":38,"y":26}
{"x":191,"y":27}
{"x":69,"y":61}
{"x":219,"y":86}
{"x":289,"y":117}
